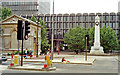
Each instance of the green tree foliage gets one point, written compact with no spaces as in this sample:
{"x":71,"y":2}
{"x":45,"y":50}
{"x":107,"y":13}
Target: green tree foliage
{"x":75,"y":38}
{"x":44,"y":40}
{"x":0,"y":13}
{"x":5,"y":12}
{"x":33,"y":19}
{"x":108,"y":38}
{"x":91,"y":36}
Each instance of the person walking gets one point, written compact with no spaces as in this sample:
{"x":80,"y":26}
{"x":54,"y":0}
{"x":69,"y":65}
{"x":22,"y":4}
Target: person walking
{"x":26,"y":53}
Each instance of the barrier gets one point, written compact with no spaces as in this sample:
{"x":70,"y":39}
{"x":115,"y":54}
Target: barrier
{"x":16,"y":60}
{"x":48,"y":61}
{"x":12,"y":63}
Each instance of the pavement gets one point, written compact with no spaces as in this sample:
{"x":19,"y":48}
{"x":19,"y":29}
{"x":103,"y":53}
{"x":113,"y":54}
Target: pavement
{"x":32,"y":68}
{"x":73,"y":59}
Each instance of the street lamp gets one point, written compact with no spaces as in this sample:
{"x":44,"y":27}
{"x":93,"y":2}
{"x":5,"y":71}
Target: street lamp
{"x":58,"y":41}
{"x":37,"y":37}
{"x":52,"y":33}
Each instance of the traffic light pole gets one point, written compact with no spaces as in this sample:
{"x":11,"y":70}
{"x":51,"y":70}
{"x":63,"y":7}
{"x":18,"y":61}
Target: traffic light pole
{"x":22,"y":49}
{"x":37,"y":40}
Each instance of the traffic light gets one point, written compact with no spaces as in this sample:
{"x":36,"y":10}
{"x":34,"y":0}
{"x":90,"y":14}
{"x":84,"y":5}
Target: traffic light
{"x":87,"y":39}
{"x":19,"y":30}
{"x":26,"y":29}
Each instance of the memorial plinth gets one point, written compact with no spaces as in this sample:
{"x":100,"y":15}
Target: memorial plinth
{"x":97,"y":49}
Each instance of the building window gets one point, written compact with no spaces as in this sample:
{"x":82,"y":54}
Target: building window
{"x":47,"y":18}
{"x":103,"y":24}
{"x":55,"y":31}
{"x":111,"y":18}
{"x":61,"y":18}
{"x":54,"y":18}
{"x":114,"y":26}
{"x":64,"y":25}
{"x":70,"y":25}
{"x":84,"y":18}
{"x":67,"y":25}
{"x":77,"y":18}
{"x":88,"y":25}
{"x":104,"y":18}
{"x":114,"y":18}
{"x":118,"y":18}
{"x":51,"y":18}
{"x":60,"y":25}
{"x":110,"y":25}
{"x":67,"y":18}
{"x":55,"y":26}
{"x":71,"y":19}
{"x":49,"y":25}
{"x":106,"y":24}
{"x":73,"y":25}
{"x":117,"y":32}
{"x":74,"y":18}
{"x":64,"y":19}
{"x":81,"y":25}
{"x":107,"y":18}
{"x":80,"y":18}
{"x":117,"y":25}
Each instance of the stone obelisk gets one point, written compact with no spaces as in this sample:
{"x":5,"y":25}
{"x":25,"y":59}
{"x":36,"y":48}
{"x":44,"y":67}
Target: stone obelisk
{"x":97,"y":49}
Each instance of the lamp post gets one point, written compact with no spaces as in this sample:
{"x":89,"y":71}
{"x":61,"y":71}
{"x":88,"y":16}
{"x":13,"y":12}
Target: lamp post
{"x":58,"y":41}
{"x":52,"y":33}
{"x":37,"y":38}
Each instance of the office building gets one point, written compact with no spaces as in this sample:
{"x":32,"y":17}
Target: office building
{"x":28,"y":7}
{"x":86,"y":20}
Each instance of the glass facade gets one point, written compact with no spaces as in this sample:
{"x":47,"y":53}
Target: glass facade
{"x":28,"y":7}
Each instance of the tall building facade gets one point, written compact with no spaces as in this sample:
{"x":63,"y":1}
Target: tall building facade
{"x":28,"y":7}
{"x":44,"y":6}
{"x":119,"y":6}
{"x":64,"y":22}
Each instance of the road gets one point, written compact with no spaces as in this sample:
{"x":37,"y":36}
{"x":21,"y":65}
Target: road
{"x":103,"y":64}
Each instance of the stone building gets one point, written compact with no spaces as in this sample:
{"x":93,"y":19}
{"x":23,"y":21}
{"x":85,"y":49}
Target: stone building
{"x":9,"y":35}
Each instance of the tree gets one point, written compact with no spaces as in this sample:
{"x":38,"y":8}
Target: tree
{"x":108,"y":38}
{"x":44,"y":41}
{"x":91,"y":32}
{"x":5,"y":12}
{"x":33,"y":19}
{"x":75,"y":39}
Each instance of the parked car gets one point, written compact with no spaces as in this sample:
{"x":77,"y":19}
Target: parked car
{"x":2,"y":58}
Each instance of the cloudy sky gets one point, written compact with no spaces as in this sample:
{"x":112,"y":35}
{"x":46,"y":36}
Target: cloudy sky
{"x":85,"y":6}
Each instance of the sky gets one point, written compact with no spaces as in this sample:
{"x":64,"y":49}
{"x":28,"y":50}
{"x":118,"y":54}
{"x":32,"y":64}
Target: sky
{"x":84,"y":6}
